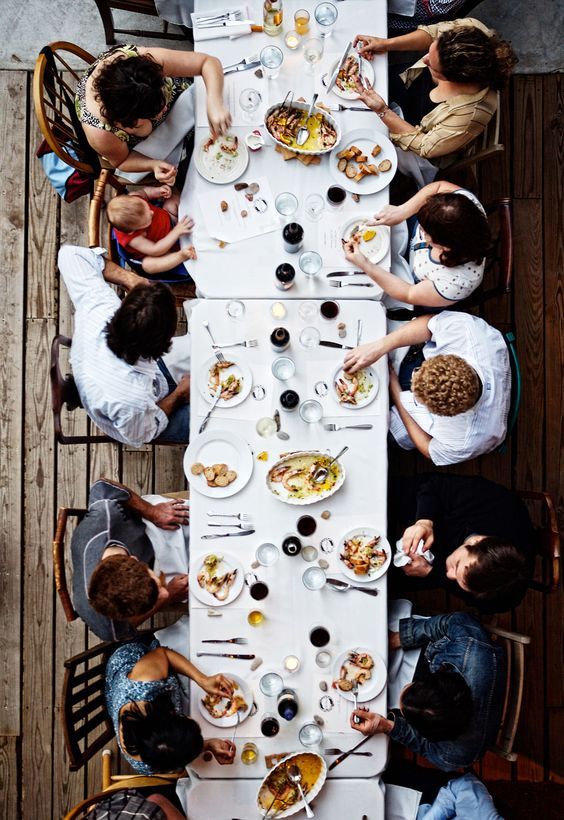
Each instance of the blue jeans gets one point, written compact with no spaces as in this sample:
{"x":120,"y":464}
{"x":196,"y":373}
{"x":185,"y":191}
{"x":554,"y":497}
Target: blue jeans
{"x":178,"y":427}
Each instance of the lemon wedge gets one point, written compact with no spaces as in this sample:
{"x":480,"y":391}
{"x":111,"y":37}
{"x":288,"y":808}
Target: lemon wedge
{"x":368,"y":235}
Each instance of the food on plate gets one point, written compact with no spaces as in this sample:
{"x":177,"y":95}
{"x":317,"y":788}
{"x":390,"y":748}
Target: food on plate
{"x":376,"y":150}
{"x":229,"y":145}
{"x":229,"y":386}
{"x":295,"y":474}
{"x":262,"y":456}
{"x":356,"y":197}
{"x":283,"y":124}
{"x":384,"y":166}
{"x":352,"y":388}
{"x":278,"y":792}
{"x":350,"y":170}
{"x":220,"y":155}
{"x":348,"y":75}
{"x":218,"y":475}
{"x":223,"y":205}
{"x":357,"y":668}
{"x":354,"y":163}
{"x":219,"y":706}
{"x":362,"y":554}
{"x":215,"y":578}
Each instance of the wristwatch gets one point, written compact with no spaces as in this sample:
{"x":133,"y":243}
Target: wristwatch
{"x":383,"y":113}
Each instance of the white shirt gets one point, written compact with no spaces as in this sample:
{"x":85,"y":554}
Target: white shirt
{"x":483,"y":427}
{"x":120,"y":398}
{"x":454,"y":283}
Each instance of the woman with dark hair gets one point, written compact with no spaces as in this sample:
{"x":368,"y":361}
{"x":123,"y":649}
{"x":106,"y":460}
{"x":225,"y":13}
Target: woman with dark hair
{"x":130,"y":90}
{"x":468,"y":65}
{"x":451,"y":710}
{"x":447,"y":250}
{"x":144,"y":701}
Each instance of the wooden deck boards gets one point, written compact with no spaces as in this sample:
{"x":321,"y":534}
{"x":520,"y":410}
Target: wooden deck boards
{"x":36,"y":477}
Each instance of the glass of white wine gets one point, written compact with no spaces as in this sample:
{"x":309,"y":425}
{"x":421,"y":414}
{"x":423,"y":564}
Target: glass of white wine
{"x":313,"y":52}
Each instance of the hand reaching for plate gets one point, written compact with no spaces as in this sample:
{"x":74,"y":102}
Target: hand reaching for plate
{"x":222,"y":750}
{"x":389,"y":215}
{"x":362,"y":356}
{"x":352,"y":253}
{"x":217,"y":685}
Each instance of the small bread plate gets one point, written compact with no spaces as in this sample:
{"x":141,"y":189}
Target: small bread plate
{"x":228,"y":574}
{"x":289,"y":480}
{"x":364,"y":141}
{"x":222,"y":160}
{"x":371,"y":687}
{"x":242,"y":692}
{"x":359,"y":554}
{"x":373,"y":241}
{"x":227,"y":376}
{"x":347,"y":92}
{"x":356,"y":390}
{"x":214,"y":447}
{"x":307,"y":763}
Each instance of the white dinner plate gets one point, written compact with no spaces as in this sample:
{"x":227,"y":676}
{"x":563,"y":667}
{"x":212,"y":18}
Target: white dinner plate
{"x":240,"y":370}
{"x":229,"y":563}
{"x":368,"y":383}
{"x":223,"y":168}
{"x":374,"y":249}
{"x":365,"y":139}
{"x":372,"y":687}
{"x":243,"y":689}
{"x":219,"y":447}
{"x":369,"y":532}
{"x":367,"y":71}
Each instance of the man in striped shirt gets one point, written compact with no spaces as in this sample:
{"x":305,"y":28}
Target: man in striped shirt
{"x":117,"y":346}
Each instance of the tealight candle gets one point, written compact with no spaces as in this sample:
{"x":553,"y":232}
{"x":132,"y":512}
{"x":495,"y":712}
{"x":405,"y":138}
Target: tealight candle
{"x":277,"y":310}
{"x":292,"y":39}
{"x":291,"y":663}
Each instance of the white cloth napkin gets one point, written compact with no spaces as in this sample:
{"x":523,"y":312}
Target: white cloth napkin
{"x":401,"y":662}
{"x":236,"y":30}
{"x":171,"y":546}
{"x":401,"y":803}
{"x":401,"y":559}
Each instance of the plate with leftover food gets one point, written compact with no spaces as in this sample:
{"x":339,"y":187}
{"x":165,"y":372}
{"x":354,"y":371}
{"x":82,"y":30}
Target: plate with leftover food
{"x":355,"y":390}
{"x":234,"y":377}
{"x":221,"y":711}
{"x":365,"y":667}
{"x":279,"y":797}
{"x":218,"y":464}
{"x":217,"y":579}
{"x":372,"y":241}
{"x":283,"y":122}
{"x":365,"y":554}
{"x":345,"y":84}
{"x":291,"y":478}
{"x":365,"y":162}
{"x":221,"y":160}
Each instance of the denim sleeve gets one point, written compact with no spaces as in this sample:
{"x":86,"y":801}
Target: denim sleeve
{"x":416,"y":632}
{"x":403,"y":733}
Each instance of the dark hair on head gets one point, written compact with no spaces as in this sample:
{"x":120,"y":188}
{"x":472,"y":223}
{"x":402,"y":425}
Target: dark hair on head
{"x":499,"y":571}
{"x":144,"y":323}
{"x":454,"y":221}
{"x":120,"y":587}
{"x":438,"y":706}
{"x":164,"y":739}
{"x":130,"y":88}
{"x":468,"y":55}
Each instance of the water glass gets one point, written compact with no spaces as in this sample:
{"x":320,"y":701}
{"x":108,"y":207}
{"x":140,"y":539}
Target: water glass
{"x":314,"y":207}
{"x":271,"y":684}
{"x":266,"y":427}
{"x":309,"y":337}
{"x":313,"y":52}
{"x":308,"y":311}
{"x":310,"y":734}
{"x":310,"y":411}
{"x":249,"y":100}
{"x":271,"y":58}
{"x":286,"y":203}
{"x":235,"y":309}
{"x":310,"y":263}
{"x":314,"y":578}
{"x":325,"y":16}
{"x":283,"y":368}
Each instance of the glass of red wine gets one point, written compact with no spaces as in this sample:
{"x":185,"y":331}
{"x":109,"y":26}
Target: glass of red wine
{"x":306,"y":525}
{"x":319,"y":636}
{"x":329,"y":310}
{"x":258,"y":590}
{"x":336,"y":196}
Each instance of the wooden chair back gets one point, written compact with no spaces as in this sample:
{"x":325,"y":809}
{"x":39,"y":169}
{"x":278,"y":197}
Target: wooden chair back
{"x":484,"y":147}
{"x":64,"y":393}
{"x":515,"y":653}
{"x":146,"y":7}
{"x":59,"y":559}
{"x":547,"y":542}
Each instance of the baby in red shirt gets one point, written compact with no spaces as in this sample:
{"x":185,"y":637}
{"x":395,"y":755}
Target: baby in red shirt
{"x":148,"y":232}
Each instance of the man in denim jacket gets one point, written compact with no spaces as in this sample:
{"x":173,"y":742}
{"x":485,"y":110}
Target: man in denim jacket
{"x":456,"y":696}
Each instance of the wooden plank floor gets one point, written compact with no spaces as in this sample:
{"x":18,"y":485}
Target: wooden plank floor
{"x":36,"y":477}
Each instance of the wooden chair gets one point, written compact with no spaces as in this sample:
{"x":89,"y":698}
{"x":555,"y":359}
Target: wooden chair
{"x":482,"y":148}
{"x":516,"y":388}
{"x":547,"y":541}
{"x":515,"y":654}
{"x":498,"y":272}
{"x":146,"y":7}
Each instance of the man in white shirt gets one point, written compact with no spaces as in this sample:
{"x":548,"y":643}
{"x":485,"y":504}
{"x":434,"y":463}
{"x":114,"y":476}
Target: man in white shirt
{"x":124,"y":385}
{"x":459,"y":399}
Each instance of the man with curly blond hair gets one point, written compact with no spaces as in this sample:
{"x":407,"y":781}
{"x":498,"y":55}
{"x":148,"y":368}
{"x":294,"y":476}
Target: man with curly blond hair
{"x":452,"y":394}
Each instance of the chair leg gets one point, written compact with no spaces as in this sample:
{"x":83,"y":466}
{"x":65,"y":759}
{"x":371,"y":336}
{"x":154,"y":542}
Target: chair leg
{"x":106,"y":769}
{"x":107,"y":22}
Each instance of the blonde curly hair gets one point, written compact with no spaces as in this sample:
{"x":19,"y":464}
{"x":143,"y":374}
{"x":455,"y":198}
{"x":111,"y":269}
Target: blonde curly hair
{"x":446,"y":385}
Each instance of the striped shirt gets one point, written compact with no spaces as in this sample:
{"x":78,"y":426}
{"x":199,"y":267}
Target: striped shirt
{"x":453,"y":124}
{"x":121,"y":399}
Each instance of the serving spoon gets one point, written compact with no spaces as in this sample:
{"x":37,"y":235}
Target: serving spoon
{"x":321,"y":473}
{"x":295,"y":776}
{"x":303,"y":131}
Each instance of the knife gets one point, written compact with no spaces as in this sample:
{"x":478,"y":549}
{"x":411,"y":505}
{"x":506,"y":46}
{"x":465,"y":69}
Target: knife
{"x":225,"y":655}
{"x":220,"y":640}
{"x":324,"y":343}
{"x":216,"y":398}
{"x":346,"y":754}
{"x":333,"y":79}
{"x":241,"y":67}
{"x":243,"y":61}
{"x":225,"y":23}
{"x":227,"y":534}
{"x":345,"y":273}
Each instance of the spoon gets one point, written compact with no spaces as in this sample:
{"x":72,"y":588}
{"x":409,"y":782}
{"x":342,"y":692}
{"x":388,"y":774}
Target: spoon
{"x":303,"y":131}
{"x":295,"y":776}
{"x":322,"y":472}
{"x":280,"y":433}
{"x":344,"y":586}
{"x":354,"y":692}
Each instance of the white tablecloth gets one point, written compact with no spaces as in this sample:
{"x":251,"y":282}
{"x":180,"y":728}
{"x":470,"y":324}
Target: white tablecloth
{"x":353,"y":619}
{"x":246,"y":269}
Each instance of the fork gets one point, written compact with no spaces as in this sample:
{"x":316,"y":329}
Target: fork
{"x":354,"y":692}
{"x":338,"y":284}
{"x":238,"y":641}
{"x":240,"y":516}
{"x":227,"y":15}
{"x":333,"y":428}
{"x":335,"y":752}
{"x":246,"y":343}
{"x":242,"y":526}
{"x":219,"y":356}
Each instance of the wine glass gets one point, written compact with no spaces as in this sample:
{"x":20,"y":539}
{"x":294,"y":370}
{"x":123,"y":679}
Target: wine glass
{"x":308,"y":310}
{"x":309,"y":337}
{"x":325,"y":16}
{"x":313,"y":52}
{"x":235,"y":309}
{"x":249,"y":100}
{"x":314,"y":207}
